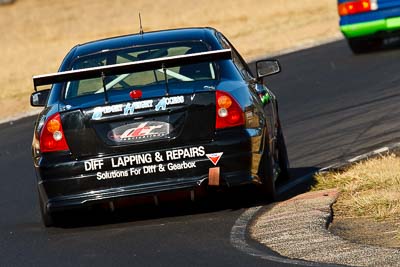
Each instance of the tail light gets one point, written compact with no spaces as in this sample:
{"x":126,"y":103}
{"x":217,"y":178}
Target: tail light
{"x":228,"y":113}
{"x":354,"y":7}
{"x":52,"y":137}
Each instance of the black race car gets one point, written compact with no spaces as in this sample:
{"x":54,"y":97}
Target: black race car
{"x":147,"y":113}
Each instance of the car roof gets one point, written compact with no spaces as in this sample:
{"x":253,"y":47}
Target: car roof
{"x":173,"y":35}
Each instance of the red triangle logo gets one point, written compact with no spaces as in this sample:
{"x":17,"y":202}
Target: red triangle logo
{"x":214,"y":157}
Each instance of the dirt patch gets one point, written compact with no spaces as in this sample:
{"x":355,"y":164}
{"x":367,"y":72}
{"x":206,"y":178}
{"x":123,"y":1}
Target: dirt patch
{"x":366,"y":231}
{"x":37,"y":34}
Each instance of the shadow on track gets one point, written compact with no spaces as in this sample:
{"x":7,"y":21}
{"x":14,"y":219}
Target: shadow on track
{"x":378,"y":44}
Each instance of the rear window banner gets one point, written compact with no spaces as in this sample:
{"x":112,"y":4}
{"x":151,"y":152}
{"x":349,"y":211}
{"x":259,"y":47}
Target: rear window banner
{"x":131,"y":107}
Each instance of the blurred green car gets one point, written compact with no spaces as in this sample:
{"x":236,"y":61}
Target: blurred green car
{"x":366,"y":23}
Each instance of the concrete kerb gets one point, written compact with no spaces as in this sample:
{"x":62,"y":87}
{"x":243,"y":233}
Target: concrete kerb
{"x":302,"y":233}
{"x":320,"y":212}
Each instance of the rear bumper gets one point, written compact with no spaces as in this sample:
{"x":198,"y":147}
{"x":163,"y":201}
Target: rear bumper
{"x":381,"y":26}
{"x":66,"y":184}
{"x":89,"y":198}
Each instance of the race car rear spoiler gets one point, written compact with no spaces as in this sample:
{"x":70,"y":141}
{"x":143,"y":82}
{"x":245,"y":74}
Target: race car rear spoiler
{"x":118,"y":69}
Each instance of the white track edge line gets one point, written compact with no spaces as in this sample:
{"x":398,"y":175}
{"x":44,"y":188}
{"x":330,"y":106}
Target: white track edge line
{"x":238,"y":239}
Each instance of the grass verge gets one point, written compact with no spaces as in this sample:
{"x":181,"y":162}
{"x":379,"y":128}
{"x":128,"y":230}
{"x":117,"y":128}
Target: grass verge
{"x":369,"y":189}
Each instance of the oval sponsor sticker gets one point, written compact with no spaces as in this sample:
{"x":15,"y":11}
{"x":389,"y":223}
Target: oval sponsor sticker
{"x":140,"y":132}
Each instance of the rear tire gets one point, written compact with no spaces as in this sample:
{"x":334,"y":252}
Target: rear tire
{"x":364,"y":45}
{"x":47,"y":217}
{"x":282,"y":157}
{"x":267,"y":175}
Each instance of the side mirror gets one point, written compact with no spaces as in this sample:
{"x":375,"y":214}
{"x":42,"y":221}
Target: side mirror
{"x":267,"y":67}
{"x":39,"y":99}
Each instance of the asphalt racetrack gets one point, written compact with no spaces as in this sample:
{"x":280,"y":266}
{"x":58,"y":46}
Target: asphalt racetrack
{"x":333,"y":106}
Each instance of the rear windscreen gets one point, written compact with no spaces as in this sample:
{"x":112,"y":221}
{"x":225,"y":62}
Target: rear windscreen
{"x":184,"y":73}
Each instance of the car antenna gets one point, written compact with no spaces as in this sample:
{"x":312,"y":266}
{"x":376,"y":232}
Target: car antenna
{"x":103,"y":79}
{"x":140,"y":22}
{"x":166,"y":79}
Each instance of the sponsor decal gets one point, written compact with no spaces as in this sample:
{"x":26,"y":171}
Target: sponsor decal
{"x":111,"y":174}
{"x":161,"y":105}
{"x":249,"y":114}
{"x":131,"y":107}
{"x":174,"y":100}
{"x":168,"y":101}
{"x":97,"y":114}
{"x":185,"y":153}
{"x":181,"y":166}
{"x":145,"y":163}
{"x":99,"y":111}
{"x":93,"y":164}
{"x":265,"y":98}
{"x":215,"y":157}
{"x":140,"y":132}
